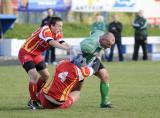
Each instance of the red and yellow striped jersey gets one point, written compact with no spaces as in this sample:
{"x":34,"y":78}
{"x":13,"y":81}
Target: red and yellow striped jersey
{"x":67,"y":75}
{"x":37,"y":42}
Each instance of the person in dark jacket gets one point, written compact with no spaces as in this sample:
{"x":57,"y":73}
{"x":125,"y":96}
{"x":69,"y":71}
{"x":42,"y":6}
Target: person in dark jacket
{"x":116,"y":28}
{"x":140,"y":35}
{"x":50,"y":55}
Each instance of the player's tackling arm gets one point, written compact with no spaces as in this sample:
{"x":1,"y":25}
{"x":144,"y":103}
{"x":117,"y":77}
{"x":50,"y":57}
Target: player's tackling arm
{"x":58,"y":45}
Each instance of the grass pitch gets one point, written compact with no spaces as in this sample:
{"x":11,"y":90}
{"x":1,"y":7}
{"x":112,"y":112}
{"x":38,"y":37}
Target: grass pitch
{"x":134,"y":92}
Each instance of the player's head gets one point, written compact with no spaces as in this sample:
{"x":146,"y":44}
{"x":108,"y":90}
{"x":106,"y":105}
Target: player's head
{"x":55,"y":24}
{"x":79,"y":61}
{"x":107,"y":40}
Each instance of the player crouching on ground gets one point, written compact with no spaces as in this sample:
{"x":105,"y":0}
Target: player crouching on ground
{"x":64,"y":88}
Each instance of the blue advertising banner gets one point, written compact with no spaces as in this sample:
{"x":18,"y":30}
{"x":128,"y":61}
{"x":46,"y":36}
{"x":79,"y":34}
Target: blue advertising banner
{"x":123,"y":5}
{"x":41,"y":5}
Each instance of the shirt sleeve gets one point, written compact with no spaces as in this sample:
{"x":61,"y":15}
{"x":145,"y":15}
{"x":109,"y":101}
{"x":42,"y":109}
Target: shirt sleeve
{"x":84,"y":72}
{"x":59,"y":37}
{"x":46,"y":34}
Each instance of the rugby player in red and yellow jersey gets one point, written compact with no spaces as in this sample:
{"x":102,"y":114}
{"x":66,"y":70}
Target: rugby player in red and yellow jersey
{"x":64,"y":88}
{"x":32,"y":60}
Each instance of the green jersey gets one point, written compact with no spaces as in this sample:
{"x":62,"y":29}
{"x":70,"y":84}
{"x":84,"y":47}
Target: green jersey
{"x":98,"y":26}
{"x":91,"y":46}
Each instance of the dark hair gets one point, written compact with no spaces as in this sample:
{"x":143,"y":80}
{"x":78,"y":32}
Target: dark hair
{"x":53,"y":20}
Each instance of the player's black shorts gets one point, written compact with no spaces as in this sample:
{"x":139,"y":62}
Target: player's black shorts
{"x":30,"y":65}
{"x":101,"y":66}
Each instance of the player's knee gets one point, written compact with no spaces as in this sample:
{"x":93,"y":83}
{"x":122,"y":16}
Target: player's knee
{"x":34,"y":77}
{"x":33,"y":74}
{"x":105,"y":79}
{"x":104,"y":76}
{"x":45,"y":76}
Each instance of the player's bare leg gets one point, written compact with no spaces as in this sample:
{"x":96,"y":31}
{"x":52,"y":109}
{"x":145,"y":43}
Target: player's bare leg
{"x":44,"y":75}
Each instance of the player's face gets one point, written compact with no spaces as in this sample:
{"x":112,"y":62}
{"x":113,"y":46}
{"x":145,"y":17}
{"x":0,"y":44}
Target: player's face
{"x":107,"y":41}
{"x":57,"y":27}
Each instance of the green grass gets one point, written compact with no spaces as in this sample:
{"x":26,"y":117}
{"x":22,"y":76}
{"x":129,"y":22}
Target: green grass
{"x":22,"y":31}
{"x":129,"y":31}
{"x":76,"y":30}
{"x":134,"y":93}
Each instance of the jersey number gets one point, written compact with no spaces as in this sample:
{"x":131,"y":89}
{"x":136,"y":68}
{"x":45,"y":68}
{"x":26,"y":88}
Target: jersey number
{"x":63,"y":76}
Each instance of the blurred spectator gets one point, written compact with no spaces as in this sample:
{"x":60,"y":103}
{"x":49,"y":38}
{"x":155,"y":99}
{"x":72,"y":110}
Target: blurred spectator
{"x":49,"y":55}
{"x":140,"y":27}
{"x":99,"y":24}
{"x":116,"y":28}
{"x":50,"y":13}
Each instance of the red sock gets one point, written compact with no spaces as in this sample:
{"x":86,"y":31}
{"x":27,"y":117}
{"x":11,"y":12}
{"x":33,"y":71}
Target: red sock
{"x":40,"y":84}
{"x":67,"y":103}
{"x":33,"y":90}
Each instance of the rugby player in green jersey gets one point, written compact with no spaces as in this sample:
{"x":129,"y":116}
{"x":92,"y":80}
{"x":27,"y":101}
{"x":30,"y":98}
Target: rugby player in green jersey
{"x":89,"y":48}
